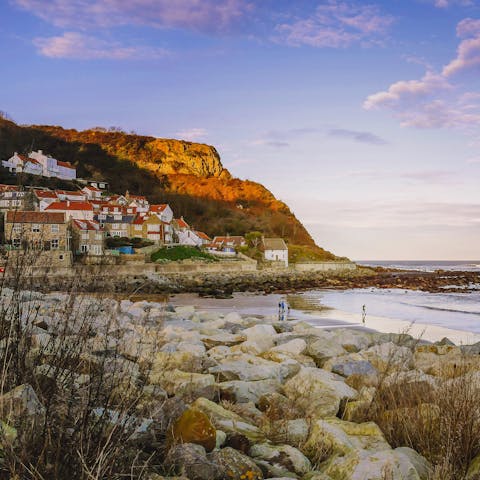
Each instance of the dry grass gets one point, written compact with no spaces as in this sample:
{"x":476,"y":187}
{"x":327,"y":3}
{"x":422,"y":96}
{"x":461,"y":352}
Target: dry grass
{"x":440,"y":420}
{"x":91,"y":392}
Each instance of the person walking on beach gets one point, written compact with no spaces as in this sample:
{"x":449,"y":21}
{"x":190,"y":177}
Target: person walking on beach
{"x":364,"y":314}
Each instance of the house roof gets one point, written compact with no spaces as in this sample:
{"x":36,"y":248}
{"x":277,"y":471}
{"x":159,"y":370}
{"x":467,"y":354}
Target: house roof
{"x":274,"y":244}
{"x":158,"y":208}
{"x":84,"y":206}
{"x":182,"y":223}
{"x":76,"y":193}
{"x":24,"y":159}
{"x":138,"y":220}
{"x":203,"y":236}
{"x":87,"y":225}
{"x":45,"y":194}
{"x":9,"y":188}
{"x":235,"y":239}
{"x":65,"y":164}
{"x":16,"y":216}
{"x":92,"y":188}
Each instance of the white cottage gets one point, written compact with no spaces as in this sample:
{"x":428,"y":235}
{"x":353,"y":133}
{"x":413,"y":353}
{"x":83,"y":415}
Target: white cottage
{"x":275,"y":250}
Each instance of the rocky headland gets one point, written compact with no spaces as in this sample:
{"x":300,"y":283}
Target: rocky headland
{"x":109,"y":387}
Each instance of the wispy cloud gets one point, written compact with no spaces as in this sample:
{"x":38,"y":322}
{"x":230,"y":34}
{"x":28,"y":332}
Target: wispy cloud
{"x":200,"y":15}
{"x":283,"y":138}
{"x":358,"y":136}
{"x":76,"y":45}
{"x":192,"y":134}
{"x":337,"y":24}
{"x":468,"y":52}
{"x":450,"y":3}
{"x":435,"y":100}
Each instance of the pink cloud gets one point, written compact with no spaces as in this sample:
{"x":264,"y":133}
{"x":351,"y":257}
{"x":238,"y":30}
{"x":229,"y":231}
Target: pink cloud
{"x":337,"y":24}
{"x":401,"y":90}
{"x":201,"y":15}
{"x":449,"y":3}
{"x":84,"y":47}
{"x":468,"y":52}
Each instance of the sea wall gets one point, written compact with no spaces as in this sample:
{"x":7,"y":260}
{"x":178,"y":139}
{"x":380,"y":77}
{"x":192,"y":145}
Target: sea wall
{"x":323,"y":266}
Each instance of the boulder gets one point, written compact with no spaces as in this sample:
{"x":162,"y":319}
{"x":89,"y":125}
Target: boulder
{"x":191,"y":460}
{"x":346,"y":368}
{"x":421,"y":464}
{"x":293,"y":347}
{"x":185,"y":384}
{"x":283,"y":456}
{"x":388,"y":355}
{"x":352,"y":340}
{"x":21,"y":407}
{"x":341,"y":438}
{"x":227,"y":421}
{"x":368,"y":465}
{"x":193,"y":426}
{"x":259,"y":339}
{"x":291,"y":432}
{"x":235,"y":465}
{"x":247,"y":368}
{"x":278,"y":406}
{"x":226,"y":339}
{"x":324,"y":348}
{"x":318,"y":392}
{"x":242,"y":392}
{"x":185,"y":361}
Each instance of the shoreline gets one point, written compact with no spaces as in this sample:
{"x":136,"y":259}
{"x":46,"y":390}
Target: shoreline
{"x":223,"y":285}
{"x":328,"y":318}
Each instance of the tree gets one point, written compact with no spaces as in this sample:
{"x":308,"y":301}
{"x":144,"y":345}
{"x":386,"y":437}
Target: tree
{"x":253,"y":239}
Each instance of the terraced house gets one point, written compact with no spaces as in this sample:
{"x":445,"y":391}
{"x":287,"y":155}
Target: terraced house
{"x":47,"y":231}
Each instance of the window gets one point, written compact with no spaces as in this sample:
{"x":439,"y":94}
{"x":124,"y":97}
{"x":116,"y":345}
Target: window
{"x":17,"y":228}
{"x":115,"y":226}
{"x":117,"y":217}
{"x":55,"y":228}
{"x":16,"y":243}
{"x":35,"y":228}
{"x":54,"y":244}
{"x":102,"y":216}
{"x":138,"y":227}
{"x":84,"y":235}
{"x":99,"y":236}
{"x":84,"y":248}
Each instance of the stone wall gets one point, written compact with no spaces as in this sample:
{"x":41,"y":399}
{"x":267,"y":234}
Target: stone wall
{"x":323,"y":266}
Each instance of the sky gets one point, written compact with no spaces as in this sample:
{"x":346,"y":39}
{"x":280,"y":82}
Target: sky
{"x":363,"y":116}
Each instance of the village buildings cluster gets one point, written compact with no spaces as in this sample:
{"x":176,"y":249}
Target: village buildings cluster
{"x":81,"y":221}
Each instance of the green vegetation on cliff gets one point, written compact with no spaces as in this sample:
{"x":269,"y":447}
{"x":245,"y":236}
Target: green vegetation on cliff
{"x":188,"y":176}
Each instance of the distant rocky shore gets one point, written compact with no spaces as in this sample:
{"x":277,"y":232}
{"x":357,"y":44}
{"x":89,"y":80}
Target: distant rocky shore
{"x":226,"y":397}
{"x":224,"y":284}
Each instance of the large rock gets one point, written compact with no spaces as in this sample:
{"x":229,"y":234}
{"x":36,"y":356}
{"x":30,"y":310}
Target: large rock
{"x":346,"y":368}
{"x":367,"y":465}
{"x":341,"y":438}
{"x":292,"y":432}
{"x":352,"y":340}
{"x":260,"y":338}
{"x":227,"y":339}
{"x":388,"y":356}
{"x":421,"y":464}
{"x":185,"y":384}
{"x":249,"y":368}
{"x":324,"y":348}
{"x":21,"y":407}
{"x":191,"y":460}
{"x":293,"y":347}
{"x":235,"y":465}
{"x":318,"y":392}
{"x":243,"y":392}
{"x":228,"y":421}
{"x":283,"y":456}
{"x":181,"y":360}
{"x":193,"y":426}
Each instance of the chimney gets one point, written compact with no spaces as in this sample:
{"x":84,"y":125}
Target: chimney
{"x":68,"y":203}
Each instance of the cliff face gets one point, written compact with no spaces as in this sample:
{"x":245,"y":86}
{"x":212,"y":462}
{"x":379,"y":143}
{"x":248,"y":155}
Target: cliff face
{"x":189,"y":176}
{"x":180,"y":157}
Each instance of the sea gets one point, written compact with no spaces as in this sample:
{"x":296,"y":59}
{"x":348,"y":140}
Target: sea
{"x":430,"y":316}
{"x":425,"y":266}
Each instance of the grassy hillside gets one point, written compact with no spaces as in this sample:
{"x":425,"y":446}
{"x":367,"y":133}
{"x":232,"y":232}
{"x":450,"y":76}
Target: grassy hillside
{"x":188,"y":176}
